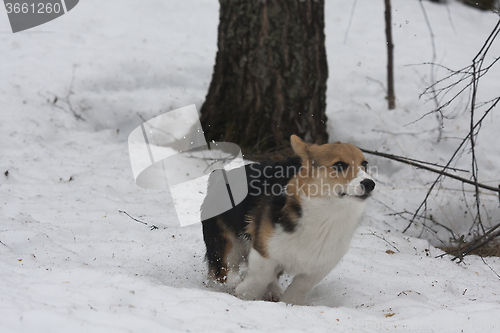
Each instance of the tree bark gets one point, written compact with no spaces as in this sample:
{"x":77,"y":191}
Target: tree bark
{"x":269,"y":78}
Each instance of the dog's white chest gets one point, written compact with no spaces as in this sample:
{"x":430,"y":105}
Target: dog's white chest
{"x":322,"y":237}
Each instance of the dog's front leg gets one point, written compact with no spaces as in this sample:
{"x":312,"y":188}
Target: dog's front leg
{"x":297,"y":291}
{"x":261,"y":272}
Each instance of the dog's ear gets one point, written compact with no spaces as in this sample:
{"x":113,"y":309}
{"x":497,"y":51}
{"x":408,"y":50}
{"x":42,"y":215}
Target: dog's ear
{"x":300,"y":147}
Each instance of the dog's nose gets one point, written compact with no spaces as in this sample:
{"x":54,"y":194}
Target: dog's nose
{"x":368,"y":185}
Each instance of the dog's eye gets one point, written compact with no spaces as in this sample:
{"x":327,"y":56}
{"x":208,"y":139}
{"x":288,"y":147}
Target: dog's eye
{"x":340,"y":166}
{"x":364,"y":164}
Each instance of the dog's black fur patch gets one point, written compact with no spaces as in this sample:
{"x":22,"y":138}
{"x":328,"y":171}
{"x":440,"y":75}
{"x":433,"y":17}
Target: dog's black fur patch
{"x":266,"y":183}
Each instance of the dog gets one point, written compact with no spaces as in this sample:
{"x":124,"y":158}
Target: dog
{"x":299,"y":217}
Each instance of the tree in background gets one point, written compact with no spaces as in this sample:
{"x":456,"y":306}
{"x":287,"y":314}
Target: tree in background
{"x":391,"y":97}
{"x":269,"y":78}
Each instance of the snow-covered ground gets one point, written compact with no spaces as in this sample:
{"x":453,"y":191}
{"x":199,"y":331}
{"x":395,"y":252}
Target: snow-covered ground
{"x":69,"y":261}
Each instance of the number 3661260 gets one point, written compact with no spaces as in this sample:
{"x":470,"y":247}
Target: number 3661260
{"x":39,"y":8}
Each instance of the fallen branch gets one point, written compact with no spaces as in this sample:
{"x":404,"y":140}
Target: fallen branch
{"x":152,"y":227}
{"x":478,"y":242}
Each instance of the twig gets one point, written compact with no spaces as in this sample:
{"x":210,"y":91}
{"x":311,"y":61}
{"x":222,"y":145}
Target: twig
{"x":404,"y":158}
{"x":350,"y":21}
{"x":425,"y":167}
{"x":475,"y":168}
{"x":498,"y":276}
{"x":153,"y":227}
{"x":449,"y":17}
{"x":439,"y":114}
{"x":382,"y":238}
{"x":431,"y":218}
{"x":380,"y":83}
{"x":66,"y":100}
{"x":70,"y":92}
{"x":133,"y":218}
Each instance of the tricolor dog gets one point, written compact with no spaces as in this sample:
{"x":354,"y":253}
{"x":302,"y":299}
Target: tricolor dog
{"x":299,"y":217}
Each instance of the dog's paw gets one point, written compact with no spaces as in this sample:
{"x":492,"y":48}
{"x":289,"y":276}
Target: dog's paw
{"x":274,"y":292}
{"x":233,"y":279}
{"x":248,"y":291}
{"x":272,"y":297}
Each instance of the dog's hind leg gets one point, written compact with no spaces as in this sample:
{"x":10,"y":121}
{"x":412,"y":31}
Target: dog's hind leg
{"x":235,"y":257}
{"x":218,"y":245}
{"x":261,"y":273}
{"x":274,"y":291}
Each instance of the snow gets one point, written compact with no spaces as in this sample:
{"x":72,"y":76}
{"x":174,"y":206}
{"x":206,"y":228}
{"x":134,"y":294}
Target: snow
{"x":71,"y":261}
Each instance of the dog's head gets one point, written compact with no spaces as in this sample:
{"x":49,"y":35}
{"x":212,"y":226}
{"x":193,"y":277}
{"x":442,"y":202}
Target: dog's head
{"x":332,"y":170}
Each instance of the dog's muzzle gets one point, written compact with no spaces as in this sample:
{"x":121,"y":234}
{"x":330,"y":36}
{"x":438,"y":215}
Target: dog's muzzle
{"x":367,"y":185}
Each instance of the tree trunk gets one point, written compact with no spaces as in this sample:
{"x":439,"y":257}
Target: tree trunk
{"x":269,"y":79}
{"x":391,"y":98}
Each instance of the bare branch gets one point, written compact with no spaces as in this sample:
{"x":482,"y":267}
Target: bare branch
{"x":382,"y":238}
{"x":420,"y":165}
{"x":498,"y":276}
{"x":152,"y":227}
